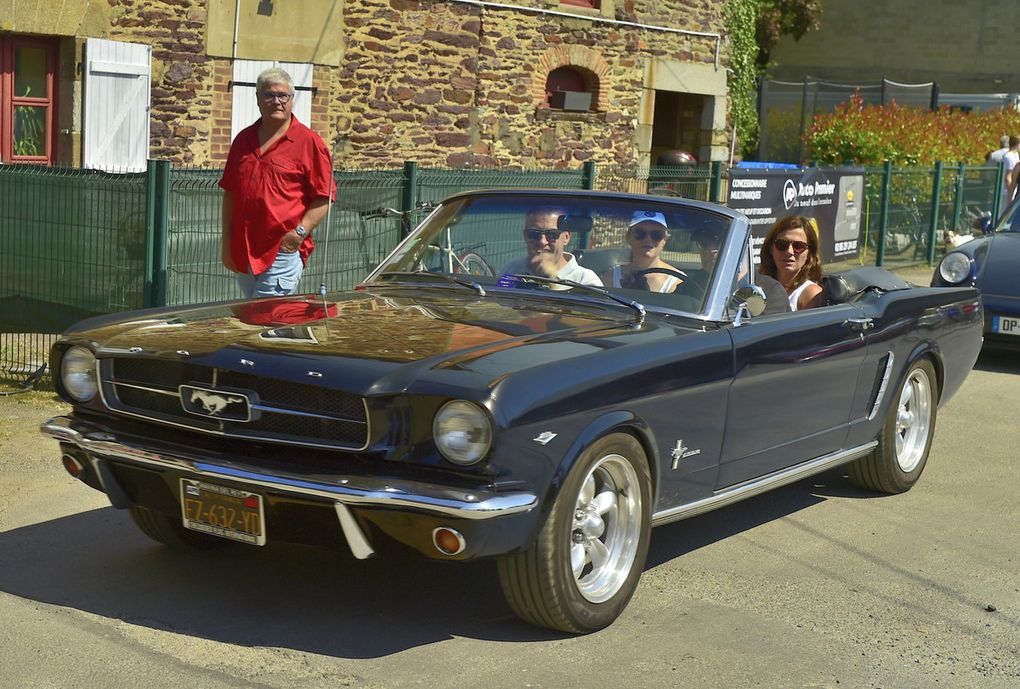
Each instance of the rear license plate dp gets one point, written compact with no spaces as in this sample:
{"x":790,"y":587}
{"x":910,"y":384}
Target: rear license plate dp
{"x":221,"y":511}
{"x":1005,"y":326}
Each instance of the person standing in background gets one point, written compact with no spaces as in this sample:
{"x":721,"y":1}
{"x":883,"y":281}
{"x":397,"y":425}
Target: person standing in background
{"x":277,"y":185}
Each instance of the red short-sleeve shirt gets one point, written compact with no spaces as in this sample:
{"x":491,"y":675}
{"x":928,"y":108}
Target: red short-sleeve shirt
{"x":271,"y":191}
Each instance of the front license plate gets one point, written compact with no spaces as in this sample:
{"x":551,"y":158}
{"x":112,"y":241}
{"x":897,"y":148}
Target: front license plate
{"x":221,"y":511}
{"x":1005,"y":325}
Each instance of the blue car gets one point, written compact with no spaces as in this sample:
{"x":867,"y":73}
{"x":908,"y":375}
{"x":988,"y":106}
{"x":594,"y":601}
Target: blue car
{"x":466,"y":402}
{"x":991,"y":264}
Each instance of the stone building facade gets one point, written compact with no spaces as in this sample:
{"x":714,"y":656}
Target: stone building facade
{"x":447,"y":83}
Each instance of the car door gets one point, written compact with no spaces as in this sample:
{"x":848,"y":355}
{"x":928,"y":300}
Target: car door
{"x":795,"y":377}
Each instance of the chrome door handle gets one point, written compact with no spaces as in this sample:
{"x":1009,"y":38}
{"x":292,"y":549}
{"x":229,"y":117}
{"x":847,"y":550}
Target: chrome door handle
{"x":860,"y":324}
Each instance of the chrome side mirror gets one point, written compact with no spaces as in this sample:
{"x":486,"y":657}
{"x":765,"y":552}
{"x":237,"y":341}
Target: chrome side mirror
{"x":747,"y":301}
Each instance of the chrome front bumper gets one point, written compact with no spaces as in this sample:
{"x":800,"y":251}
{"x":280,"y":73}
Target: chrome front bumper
{"x":355,"y":491}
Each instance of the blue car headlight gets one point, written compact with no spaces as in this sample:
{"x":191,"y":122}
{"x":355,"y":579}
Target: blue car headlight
{"x":955,"y":267}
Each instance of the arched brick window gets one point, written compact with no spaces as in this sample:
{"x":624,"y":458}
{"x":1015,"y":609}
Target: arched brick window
{"x":571,"y":88}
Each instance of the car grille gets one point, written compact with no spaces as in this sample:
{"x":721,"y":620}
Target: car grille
{"x":276,"y":410}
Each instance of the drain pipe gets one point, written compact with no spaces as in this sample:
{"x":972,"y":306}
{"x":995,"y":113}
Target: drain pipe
{"x":601,"y":20}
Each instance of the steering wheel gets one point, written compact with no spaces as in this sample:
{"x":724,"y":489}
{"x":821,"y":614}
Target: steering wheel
{"x":640,"y":275}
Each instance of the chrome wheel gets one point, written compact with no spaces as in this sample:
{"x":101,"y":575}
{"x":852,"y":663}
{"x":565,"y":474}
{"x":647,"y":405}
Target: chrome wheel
{"x":606,"y":528}
{"x":913,"y":419}
{"x":585,"y":563}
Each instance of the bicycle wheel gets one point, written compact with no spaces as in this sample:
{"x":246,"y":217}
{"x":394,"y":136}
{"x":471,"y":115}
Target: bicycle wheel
{"x":473,"y":264}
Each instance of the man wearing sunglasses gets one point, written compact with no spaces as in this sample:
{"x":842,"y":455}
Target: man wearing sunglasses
{"x":276,"y":189}
{"x":546,"y":245}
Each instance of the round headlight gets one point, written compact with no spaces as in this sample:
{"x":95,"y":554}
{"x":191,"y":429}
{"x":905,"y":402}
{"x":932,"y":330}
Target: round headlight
{"x":955,"y":267}
{"x":78,"y":373}
{"x":463,"y":432}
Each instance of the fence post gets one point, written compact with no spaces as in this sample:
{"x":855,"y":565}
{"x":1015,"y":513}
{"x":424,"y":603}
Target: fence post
{"x":933,"y":224}
{"x":157,"y":202}
{"x":883,"y":212}
{"x":588,"y":173}
{"x":958,"y":196}
{"x":410,"y":196}
{"x":715,"y":188}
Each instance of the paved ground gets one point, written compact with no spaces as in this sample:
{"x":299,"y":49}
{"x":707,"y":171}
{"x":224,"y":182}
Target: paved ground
{"x":815,"y":585}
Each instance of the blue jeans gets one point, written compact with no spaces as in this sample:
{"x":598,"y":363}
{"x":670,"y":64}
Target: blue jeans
{"x":279,"y":280}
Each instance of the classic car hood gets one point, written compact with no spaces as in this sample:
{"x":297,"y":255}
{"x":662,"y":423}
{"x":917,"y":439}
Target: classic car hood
{"x":367,"y":337}
{"x":998,"y":274}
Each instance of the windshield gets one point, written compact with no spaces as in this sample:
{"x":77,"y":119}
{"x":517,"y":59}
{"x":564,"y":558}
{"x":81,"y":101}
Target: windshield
{"x":1011,"y":219}
{"x":640,"y":249}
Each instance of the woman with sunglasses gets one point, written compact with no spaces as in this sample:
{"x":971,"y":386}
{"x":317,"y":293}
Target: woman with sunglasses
{"x":646,"y":235}
{"x":790,"y":255}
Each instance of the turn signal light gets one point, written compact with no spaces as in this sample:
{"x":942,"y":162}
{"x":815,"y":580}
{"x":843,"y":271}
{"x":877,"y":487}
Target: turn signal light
{"x":448,"y":541}
{"x":73,"y":466}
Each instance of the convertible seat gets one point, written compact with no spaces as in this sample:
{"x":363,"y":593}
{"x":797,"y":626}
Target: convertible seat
{"x":840,"y":288}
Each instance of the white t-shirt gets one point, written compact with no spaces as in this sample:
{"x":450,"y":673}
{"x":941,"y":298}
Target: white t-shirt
{"x":571,"y":271}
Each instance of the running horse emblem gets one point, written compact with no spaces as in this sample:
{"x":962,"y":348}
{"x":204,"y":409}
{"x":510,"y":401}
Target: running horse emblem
{"x":212,"y":403}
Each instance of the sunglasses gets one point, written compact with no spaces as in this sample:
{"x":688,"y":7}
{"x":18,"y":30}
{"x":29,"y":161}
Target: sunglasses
{"x":656,"y":235}
{"x":783,"y":244}
{"x":534,"y":235}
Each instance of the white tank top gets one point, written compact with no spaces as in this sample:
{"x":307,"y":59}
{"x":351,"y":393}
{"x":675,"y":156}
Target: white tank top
{"x":795,"y":294}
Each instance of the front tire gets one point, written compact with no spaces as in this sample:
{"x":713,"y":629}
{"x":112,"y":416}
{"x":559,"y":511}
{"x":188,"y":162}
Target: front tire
{"x":583,"y":568}
{"x":905,"y":439}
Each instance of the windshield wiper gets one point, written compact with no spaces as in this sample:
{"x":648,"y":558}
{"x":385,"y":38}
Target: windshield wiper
{"x":637,"y":306}
{"x":474,"y":286}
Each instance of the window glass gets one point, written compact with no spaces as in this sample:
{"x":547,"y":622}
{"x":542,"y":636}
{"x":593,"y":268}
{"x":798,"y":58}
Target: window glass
{"x":29,"y":131}
{"x":29,"y":72}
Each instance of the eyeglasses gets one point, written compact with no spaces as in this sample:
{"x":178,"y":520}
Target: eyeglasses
{"x":533,"y":235}
{"x":783,"y":244}
{"x":656,"y":235}
{"x":270,"y":97}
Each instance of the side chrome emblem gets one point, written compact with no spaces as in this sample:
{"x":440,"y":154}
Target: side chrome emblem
{"x":681,"y":451}
{"x":229,"y":406}
{"x":544,"y":437}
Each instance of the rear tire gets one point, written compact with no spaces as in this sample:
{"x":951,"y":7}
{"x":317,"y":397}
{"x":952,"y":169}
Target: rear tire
{"x":170,"y":532}
{"x":905,"y":440}
{"x":585,"y":564}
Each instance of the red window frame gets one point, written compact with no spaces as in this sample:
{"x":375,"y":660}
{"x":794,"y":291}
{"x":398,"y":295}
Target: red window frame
{"x":9,"y":101}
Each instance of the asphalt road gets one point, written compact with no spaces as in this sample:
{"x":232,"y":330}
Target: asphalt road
{"x":817,"y":584}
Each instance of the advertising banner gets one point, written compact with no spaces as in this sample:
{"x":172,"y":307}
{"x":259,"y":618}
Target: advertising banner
{"x":834,"y":197}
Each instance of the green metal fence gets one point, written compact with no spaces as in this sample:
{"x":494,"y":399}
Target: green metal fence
{"x":75,"y":243}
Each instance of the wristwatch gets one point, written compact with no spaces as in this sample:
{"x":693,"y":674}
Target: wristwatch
{"x":301,"y":231}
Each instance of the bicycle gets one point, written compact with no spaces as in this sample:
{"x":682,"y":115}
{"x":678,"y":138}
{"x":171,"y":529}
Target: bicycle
{"x":463,"y":261}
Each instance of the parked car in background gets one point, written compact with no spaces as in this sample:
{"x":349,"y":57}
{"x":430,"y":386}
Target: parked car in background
{"x":465,"y":411}
{"x":990,"y":263}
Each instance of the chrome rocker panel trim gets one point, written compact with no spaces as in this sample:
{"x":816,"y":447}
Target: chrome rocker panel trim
{"x":749,"y":489}
{"x":356,"y":492}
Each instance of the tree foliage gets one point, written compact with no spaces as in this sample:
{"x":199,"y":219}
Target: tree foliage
{"x":778,"y":18}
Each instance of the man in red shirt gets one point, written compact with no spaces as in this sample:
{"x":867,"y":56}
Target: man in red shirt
{"x":277,"y":185}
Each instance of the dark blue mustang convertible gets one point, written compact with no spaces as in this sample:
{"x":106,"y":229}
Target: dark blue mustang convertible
{"x":510,"y":383}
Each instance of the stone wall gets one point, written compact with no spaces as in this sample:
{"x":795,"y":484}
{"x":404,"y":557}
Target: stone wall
{"x":453,"y":84}
{"x":444,"y":83}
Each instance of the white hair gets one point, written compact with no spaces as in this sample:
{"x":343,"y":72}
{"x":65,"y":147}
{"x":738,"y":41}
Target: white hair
{"x":274,"y":75}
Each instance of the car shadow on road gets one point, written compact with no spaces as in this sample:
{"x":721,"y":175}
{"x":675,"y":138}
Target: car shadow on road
{"x":998,"y":361}
{"x":308,"y":599}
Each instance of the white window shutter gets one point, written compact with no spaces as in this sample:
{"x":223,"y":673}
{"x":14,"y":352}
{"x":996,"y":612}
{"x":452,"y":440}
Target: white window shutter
{"x":117,"y":100}
{"x":244,"y":106}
